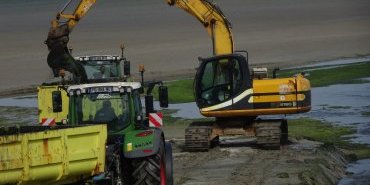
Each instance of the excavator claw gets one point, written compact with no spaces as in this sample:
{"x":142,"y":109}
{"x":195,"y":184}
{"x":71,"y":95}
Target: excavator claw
{"x":59,"y":56}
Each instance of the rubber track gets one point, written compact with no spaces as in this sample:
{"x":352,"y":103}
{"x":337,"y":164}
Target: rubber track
{"x":268,"y":134}
{"x":197,"y":138}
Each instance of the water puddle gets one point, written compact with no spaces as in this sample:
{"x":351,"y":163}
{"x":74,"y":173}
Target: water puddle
{"x":343,"y":105}
{"x":186,"y":110}
{"x":360,"y":171}
{"x":333,"y":63}
{"x":10,"y":116}
{"x":22,"y":101}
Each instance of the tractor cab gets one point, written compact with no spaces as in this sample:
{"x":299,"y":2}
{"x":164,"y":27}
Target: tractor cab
{"x":116,"y":104}
{"x":102,"y":67}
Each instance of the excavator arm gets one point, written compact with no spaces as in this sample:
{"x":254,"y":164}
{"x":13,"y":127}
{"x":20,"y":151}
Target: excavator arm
{"x":213,"y":19}
{"x":80,"y":11}
{"x":59,"y":56}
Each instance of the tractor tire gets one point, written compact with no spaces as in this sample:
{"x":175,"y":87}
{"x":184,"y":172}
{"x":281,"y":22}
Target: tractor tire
{"x":169,"y":164}
{"x":150,"y":170}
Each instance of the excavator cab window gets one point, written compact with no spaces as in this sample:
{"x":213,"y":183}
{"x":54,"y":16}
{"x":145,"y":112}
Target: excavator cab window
{"x":220,"y":79}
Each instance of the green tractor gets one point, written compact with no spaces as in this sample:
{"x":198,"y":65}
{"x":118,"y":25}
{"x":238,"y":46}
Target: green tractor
{"x":135,"y":152}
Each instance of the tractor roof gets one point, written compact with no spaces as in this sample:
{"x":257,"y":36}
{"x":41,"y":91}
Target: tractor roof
{"x":98,"y":58}
{"x":133,"y":85}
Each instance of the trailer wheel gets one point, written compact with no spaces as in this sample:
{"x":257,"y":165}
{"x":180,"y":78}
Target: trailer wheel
{"x":150,"y":170}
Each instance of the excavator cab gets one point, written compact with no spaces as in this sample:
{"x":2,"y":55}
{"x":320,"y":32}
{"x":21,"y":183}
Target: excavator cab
{"x":220,"y":79}
{"x":224,"y":87}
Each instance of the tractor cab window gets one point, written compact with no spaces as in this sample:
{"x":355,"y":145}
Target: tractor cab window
{"x":101,"y":69}
{"x":220,"y":79}
{"x":104,"y":108}
{"x":138,"y":107}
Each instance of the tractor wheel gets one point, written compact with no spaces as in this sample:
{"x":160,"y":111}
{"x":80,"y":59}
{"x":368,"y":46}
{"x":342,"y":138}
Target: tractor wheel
{"x":169,"y":164}
{"x":150,"y":170}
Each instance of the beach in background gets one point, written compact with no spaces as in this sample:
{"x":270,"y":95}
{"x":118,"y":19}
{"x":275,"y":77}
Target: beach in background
{"x":168,"y":41}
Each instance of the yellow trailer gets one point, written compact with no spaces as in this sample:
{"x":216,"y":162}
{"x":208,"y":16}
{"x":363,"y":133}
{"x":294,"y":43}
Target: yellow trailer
{"x":51,"y":155}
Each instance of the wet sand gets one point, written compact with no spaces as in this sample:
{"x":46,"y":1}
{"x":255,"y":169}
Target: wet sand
{"x":237,"y":161}
{"x":168,"y":41}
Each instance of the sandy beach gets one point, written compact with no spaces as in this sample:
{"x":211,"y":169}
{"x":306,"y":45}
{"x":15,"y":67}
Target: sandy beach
{"x":168,"y":41}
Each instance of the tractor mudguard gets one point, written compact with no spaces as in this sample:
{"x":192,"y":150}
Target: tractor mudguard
{"x":142,"y":143}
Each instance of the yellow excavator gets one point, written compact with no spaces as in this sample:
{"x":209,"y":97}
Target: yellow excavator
{"x":225,"y":88}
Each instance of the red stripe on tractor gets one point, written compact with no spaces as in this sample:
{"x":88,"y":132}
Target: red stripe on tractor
{"x":52,"y":123}
{"x":160,"y":114}
{"x":44,"y":122}
{"x":154,"y":122}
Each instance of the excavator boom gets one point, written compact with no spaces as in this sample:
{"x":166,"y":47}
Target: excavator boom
{"x":213,"y":19}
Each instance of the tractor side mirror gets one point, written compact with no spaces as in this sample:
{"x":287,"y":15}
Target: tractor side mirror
{"x":163,"y":96}
{"x":126,"y":68}
{"x":141,"y":90}
{"x":149,"y":104}
{"x":142,"y":70}
{"x":57,"y":101}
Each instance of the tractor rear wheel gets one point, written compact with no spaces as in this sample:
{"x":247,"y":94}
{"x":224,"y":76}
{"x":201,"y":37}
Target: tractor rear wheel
{"x":150,"y":170}
{"x":168,"y":163}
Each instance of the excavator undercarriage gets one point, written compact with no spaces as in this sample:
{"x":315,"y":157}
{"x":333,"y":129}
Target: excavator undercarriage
{"x":268,"y":133}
